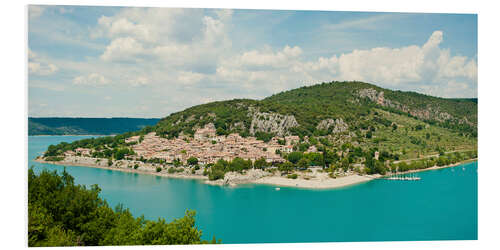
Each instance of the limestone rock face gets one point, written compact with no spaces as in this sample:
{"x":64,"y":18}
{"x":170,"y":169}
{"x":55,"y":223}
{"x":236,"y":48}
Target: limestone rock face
{"x":271,"y":123}
{"x":428,"y":113}
{"x":338,"y":125}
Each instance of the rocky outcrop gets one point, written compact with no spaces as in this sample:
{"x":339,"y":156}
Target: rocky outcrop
{"x":271,"y":123}
{"x":338,"y":125}
{"x":429,"y":113}
{"x":235,"y":178}
{"x":237,"y":125}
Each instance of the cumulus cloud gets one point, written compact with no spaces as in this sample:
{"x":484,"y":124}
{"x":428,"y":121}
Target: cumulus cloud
{"x":93,"y":79}
{"x":191,"y":39}
{"x":427,"y":68}
{"x":426,"y":64}
{"x":266,"y":59}
{"x":123,"y":49}
{"x":39,"y":66}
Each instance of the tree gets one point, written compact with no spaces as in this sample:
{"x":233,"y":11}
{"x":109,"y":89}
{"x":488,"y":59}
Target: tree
{"x":260,"y":163}
{"x":345,"y":164}
{"x":286,"y":167}
{"x":61,"y":213}
{"x":369,"y":134}
{"x":303,"y":163}
{"x":192,"y":161}
{"x":177,"y":162}
{"x":294,"y":157}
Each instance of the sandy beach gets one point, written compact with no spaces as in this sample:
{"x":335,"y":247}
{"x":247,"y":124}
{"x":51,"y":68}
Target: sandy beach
{"x":325,"y":183}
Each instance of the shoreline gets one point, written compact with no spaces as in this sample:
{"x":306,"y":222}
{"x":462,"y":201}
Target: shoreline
{"x":127,"y":170}
{"x":433,"y":168}
{"x":318,"y":181}
{"x":74,"y":135}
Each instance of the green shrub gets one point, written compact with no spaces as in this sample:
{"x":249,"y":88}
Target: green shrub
{"x":158,"y":169}
{"x":54,"y":158}
{"x":292,"y":176}
{"x":136,"y":166}
{"x":171,"y":170}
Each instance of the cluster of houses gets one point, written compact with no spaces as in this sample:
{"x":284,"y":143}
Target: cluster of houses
{"x":208,"y":147}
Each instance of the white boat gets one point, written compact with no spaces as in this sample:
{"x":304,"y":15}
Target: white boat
{"x":277,"y":189}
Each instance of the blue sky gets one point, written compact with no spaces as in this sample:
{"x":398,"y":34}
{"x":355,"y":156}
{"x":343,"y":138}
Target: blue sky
{"x":149,"y":62}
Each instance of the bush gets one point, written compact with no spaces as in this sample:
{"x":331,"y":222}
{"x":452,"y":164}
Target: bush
{"x":136,"y":166}
{"x":215,"y":174}
{"x":54,"y":158}
{"x":171,"y":170}
{"x":192,"y":161}
{"x":158,"y":169}
{"x":292,"y":176}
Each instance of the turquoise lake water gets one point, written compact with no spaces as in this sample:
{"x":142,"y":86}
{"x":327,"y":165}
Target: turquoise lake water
{"x":441,"y":206}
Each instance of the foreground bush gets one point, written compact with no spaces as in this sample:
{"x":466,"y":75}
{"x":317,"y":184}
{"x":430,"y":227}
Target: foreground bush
{"x":61,"y":213}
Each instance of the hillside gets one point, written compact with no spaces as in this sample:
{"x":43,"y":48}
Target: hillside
{"x":311,"y":110}
{"x":338,"y":116}
{"x":86,"y":126}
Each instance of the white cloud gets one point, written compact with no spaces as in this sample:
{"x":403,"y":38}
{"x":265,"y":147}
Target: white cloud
{"x":35,"y":11}
{"x":139,"y":81}
{"x":191,"y":39}
{"x":39,"y":66}
{"x":411,"y":67}
{"x":367,"y":23}
{"x":123,"y":49}
{"x":93,"y":79}
{"x":265,"y":59}
{"x":428,"y":64}
{"x":189,"y":77}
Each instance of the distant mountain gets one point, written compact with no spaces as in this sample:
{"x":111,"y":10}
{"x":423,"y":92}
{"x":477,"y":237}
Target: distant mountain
{"x":86,"y":126}
{"x":465,"y":99}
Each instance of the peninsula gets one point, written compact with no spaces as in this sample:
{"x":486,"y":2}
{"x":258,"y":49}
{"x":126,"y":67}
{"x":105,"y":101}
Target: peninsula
{"x":322,"y":136}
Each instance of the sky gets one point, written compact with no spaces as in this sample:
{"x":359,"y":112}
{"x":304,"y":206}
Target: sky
{"x":150,"y":62}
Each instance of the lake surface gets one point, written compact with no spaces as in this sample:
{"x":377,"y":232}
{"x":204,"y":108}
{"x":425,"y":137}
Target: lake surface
{"x":441,"y":206}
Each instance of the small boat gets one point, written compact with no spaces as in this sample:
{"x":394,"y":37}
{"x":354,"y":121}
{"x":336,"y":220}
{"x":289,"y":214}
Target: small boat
{"x":277,"y":189}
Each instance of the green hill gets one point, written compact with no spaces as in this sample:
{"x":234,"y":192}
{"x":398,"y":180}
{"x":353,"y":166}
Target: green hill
{"x":336,"y":115}
{"x":352,"y":102}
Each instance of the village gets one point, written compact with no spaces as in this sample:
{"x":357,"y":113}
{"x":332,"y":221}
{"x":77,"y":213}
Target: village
{"x":208,"y":147}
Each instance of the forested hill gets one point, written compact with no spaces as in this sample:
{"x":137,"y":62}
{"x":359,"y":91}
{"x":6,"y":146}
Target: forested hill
{"x":86,"y":126}
{"x":321,"y":110}
{"x":336,"y":116}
